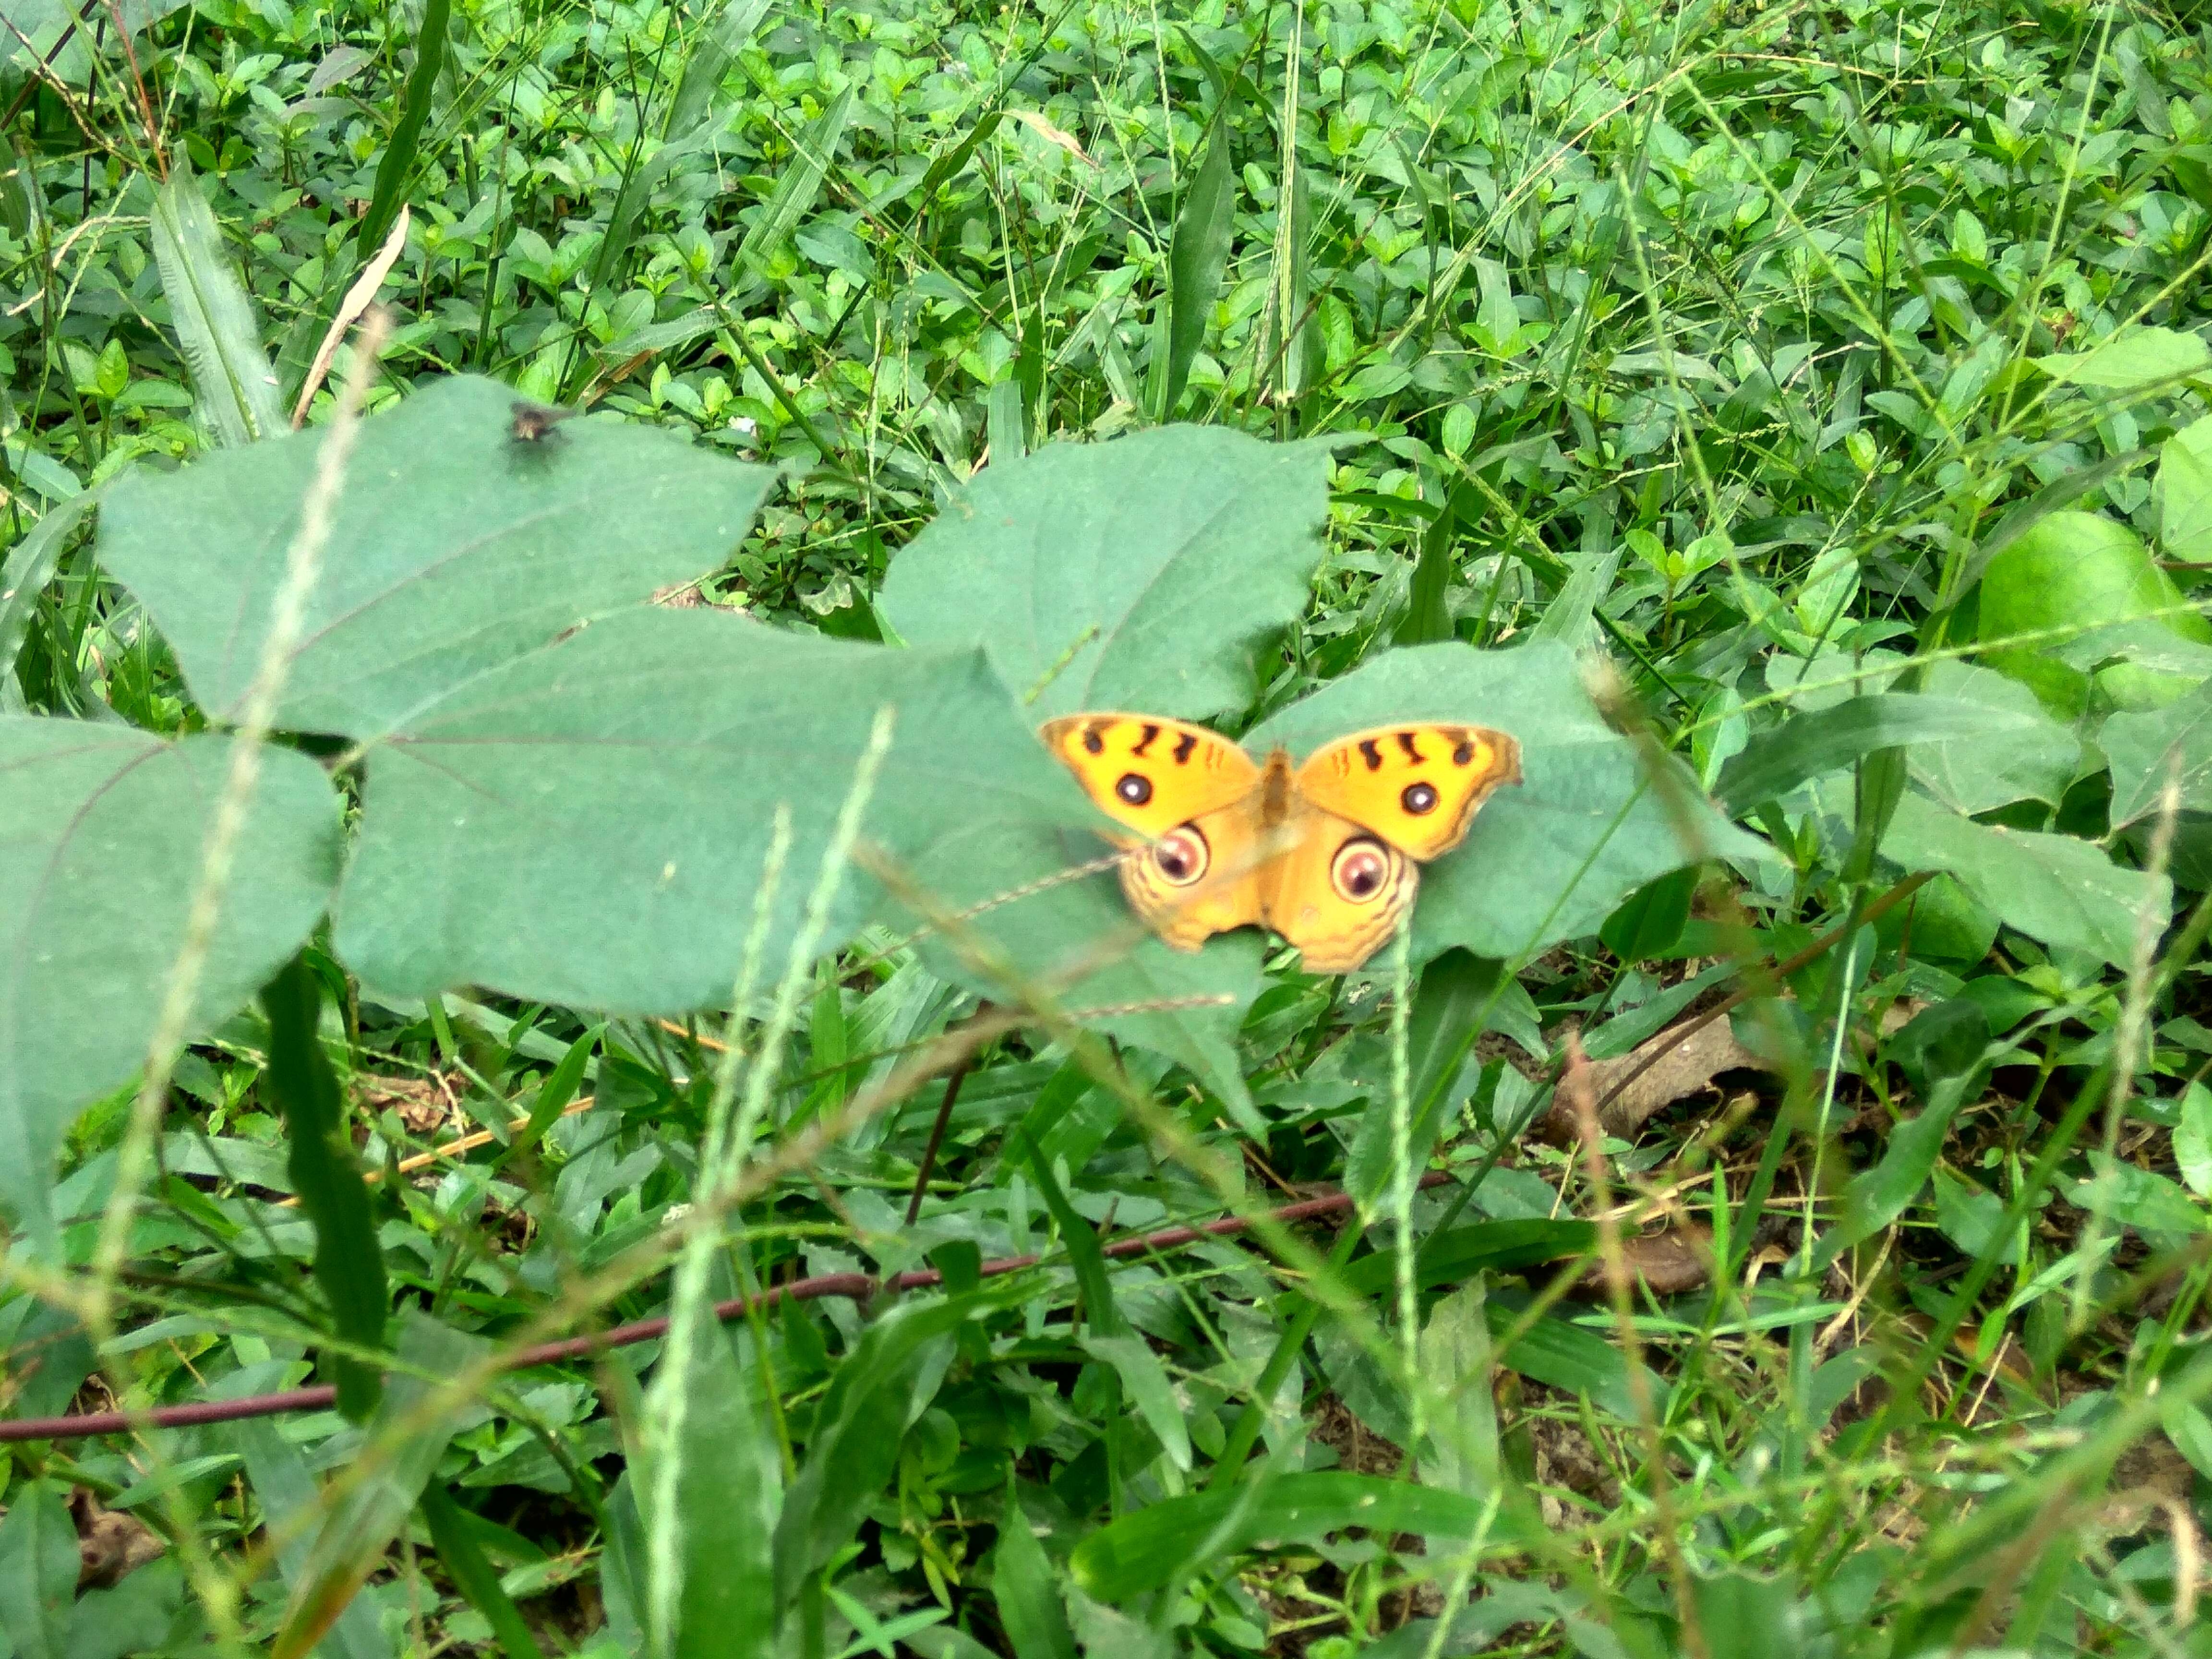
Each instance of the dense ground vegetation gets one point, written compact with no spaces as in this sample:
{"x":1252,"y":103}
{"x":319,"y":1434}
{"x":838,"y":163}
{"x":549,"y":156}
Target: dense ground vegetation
{"x":1816,"y":391}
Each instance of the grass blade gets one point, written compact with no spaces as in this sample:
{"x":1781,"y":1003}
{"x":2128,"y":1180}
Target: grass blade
{"x":24,"y":576}
{"x":796,"y":191}
{"x":709,"y":60}
{"x":1428,"y":619}
{"x":472,"y":1575}
{"x":215,"y":331}
{"x":349,"y":1263}
{"x":397,"y":169}
{"x":1197,"y":255}
{"x":355,"y":1534}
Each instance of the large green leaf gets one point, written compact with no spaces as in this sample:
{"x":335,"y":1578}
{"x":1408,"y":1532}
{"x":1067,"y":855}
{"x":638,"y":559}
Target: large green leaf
{"x":101,"y":832}
{"x":1547,"y":860}
{"x":1136,"y":574}
{"x":587,"y":825}
{"x":456,"y":548}
{"x":2053,"y":888}
{"x":2149,"y":747}
{"x":2026,"y":755}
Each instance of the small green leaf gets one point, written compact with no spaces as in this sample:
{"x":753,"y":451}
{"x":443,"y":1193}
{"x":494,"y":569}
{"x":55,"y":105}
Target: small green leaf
{"x":1155,"y":1545}
{"x":799,"y":184}
{"x":24,"y":573}
{"x":2192,"y":1139}
{"x":1652,"y":920}
{"x":1145,"y":1380}
{"x":2185,"y":493}
{"x":1197,"y":255}
{"x":38,"y":1572}
{"x":879,"y":1389}
{"x":396,"y":171}
{"x":1456,"y":1365}
{"x":728,"y":1487}
{"x":2149,"y":748}
{"x":353,"y":1540}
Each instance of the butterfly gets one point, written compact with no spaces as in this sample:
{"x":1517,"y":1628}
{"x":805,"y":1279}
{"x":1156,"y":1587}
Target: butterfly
{"x":1328,"y":855}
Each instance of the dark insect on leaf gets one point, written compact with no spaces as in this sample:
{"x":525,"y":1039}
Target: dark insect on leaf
{"x":535,"y":421}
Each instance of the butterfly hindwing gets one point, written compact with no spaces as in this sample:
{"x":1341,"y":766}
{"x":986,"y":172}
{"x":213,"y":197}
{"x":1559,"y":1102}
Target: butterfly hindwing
{"x":1151,"y":774}
{"x":1226,"y":889}
{"x":1418,"y":786}
{"x":1338,"y":891}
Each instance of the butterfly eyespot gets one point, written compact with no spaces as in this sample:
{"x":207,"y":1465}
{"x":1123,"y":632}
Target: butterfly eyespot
{"x":1419,"y":798}
{"x":1134,"y":788}
{"x":1180,"y":856}
{"x":1093,"y":744}
{"x":1359,"y":871}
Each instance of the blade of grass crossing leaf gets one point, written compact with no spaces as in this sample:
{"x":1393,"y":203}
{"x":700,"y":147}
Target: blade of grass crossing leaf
{"x":349,"y":1263}
{"x":473,"y":1576}
{"x":397,"y":169}
{"x":354,"y":1537}
{"x":24,"y":575}
{"x":801,"y":183}
{"x":1197,"y":255}
{"x":217,"y":333}
{"x":1021,"y":1584}
{"x":1878,"y":1196}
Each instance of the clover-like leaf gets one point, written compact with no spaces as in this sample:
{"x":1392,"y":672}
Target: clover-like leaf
{"x":1136,"y":574}
{"x":456,"y":546}
{"x":102,"y":831}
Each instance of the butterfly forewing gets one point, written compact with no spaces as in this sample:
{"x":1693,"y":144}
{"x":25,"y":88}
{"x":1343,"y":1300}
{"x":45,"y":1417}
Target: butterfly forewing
{"x":1417,"y":786}
{"x":1151,"y":774}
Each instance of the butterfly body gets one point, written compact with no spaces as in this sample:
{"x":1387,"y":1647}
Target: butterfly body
{"x":1328,"y":853}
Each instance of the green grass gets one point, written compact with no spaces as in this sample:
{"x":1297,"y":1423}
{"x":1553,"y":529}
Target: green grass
{"x":1804,"y":408}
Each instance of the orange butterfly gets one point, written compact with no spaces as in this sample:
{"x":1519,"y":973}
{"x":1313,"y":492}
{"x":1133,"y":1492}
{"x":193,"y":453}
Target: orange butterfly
{"x":1328,"y":855}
